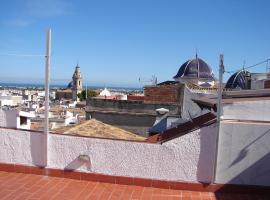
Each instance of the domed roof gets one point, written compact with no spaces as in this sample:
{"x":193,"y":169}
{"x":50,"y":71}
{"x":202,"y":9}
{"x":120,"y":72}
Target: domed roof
{"x":238,"y":80}
{"x":70,"y":84}
{"x":105,"y":92}
{"x":195,"y":68}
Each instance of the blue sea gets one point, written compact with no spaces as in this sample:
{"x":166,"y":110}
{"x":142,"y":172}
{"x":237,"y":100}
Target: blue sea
{"x":56,"y":86}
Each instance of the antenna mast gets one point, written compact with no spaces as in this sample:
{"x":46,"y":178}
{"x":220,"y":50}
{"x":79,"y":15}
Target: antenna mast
{"x":47,"y":88}
{"x":85,"y":91}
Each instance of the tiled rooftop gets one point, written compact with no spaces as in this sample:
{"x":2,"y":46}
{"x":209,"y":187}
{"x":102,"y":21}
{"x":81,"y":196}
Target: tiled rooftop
{"x":95,"y":128}
{"x":18,"y":186}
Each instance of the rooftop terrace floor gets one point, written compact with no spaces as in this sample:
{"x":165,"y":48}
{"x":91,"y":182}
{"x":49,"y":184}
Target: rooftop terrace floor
{"x":32,"y":187}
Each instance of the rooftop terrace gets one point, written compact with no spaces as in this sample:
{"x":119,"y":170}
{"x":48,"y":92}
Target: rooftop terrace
{"x":34,"y":187}
{"x":177,"y":161}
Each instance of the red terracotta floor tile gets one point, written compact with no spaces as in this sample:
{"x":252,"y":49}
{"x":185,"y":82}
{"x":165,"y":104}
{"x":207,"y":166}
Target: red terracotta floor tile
{"x":17,"y":186}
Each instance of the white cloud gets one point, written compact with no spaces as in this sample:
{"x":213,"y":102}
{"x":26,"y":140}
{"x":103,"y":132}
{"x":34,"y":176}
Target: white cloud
{"x":32,"y":10}
{"x":47,"y":8}
{"x":17,"y":23}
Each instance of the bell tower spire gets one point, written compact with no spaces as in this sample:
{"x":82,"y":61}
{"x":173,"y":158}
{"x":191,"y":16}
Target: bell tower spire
{"x":77,"y":83}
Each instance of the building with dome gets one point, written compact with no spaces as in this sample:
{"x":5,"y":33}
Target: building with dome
{"x":74,"y":87}
{"x":105,"y":93}
{"x":239,"y":80}
{"x":196,"y":71}
{"x":174,"y":96}
{"x":245,"y":80}
{"x":194,"y":75}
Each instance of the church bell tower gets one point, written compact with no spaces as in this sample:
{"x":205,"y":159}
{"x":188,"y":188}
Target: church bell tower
{"x":77,"y":83}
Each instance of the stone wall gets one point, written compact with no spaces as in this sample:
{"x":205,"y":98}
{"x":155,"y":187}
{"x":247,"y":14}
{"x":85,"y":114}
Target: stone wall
{"x":129,"y":106}
{"x":164,"y":93}
{"x":135,"y":123}
{"x":63,"y":94}
{"x":134,"y":116}
{"x":267,"y":84}
{"x":135,"y":97}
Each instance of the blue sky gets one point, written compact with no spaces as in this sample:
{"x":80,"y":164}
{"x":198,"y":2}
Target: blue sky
{"x":118,"y":41}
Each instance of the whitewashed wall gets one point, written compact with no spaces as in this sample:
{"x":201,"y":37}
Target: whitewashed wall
{"x":244,"y":154}
{"x":21,"y":147}
{"x":8,"y":118}
{"x":247,"y":110}
{"x":187,"y":158}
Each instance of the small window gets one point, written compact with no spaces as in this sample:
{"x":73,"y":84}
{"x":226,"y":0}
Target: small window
{"x":23,"y":120}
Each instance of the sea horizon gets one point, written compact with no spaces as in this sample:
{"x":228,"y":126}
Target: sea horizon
{"x":61,"y":86}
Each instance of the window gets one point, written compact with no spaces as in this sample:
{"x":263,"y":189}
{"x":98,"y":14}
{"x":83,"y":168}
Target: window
{"x":23,"y":120}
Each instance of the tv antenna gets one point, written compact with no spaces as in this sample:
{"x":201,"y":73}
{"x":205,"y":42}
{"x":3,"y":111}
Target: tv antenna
{"x":153,"y":80}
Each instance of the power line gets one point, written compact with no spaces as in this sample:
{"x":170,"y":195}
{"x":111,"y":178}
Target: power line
{"x":259,"y":63}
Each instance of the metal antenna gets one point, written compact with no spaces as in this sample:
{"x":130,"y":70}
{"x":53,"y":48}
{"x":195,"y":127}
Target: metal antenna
{"x":219,"y":110}
{"x":47,"y":88}
{"x":85,"y":91}
{"x":244,"y":64}
{"x":198,"y":65}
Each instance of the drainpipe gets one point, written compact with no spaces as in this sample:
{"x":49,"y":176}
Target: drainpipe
{"x":47,"y":82}
{"x":219,"y":107}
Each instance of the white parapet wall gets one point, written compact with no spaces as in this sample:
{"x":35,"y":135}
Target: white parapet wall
{"x":247,"y":110}
{"x":21,"y":147}
{"x":187,"y":158}
{"x":244,"y":153}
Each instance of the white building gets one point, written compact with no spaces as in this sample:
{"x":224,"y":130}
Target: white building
{"x":10,"y":100}
{"x":15,"y":119}
{"x":105,"y":93}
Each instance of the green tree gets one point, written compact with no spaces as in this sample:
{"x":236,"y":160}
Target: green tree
{"x":90,"y":93}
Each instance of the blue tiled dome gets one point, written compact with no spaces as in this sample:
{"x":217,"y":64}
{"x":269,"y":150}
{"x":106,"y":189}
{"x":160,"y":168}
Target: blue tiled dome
{"x":70,"y":85}
{"x":195,"y":68}
{"x":238,"y":80}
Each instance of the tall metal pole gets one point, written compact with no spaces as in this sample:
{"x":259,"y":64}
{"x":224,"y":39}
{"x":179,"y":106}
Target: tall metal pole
{"x":85,"y":91}
{"x":47,"y":85}
{"x":219,"y":111}
{"x":220,"y":88}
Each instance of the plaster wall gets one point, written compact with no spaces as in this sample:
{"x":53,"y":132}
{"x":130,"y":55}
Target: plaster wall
{"x":21,"y":147}
{"x":189,"y":108}
{"x":257,"y":84}
{"x":187,"y":158}
{"x":178,"y":159}
{"x":244,"y":154}
{"x":126,"y":106}
{"x":8,"y":118}
{"x":247,"y":110}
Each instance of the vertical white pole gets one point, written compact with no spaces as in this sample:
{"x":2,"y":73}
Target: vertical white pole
{"x":219,"y":110}
{"x":47,"y":82}
{"x":220,"y":88}
{"x":85,"y":91}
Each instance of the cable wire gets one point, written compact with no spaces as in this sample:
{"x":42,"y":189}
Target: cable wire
{"x":243,"y":68}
